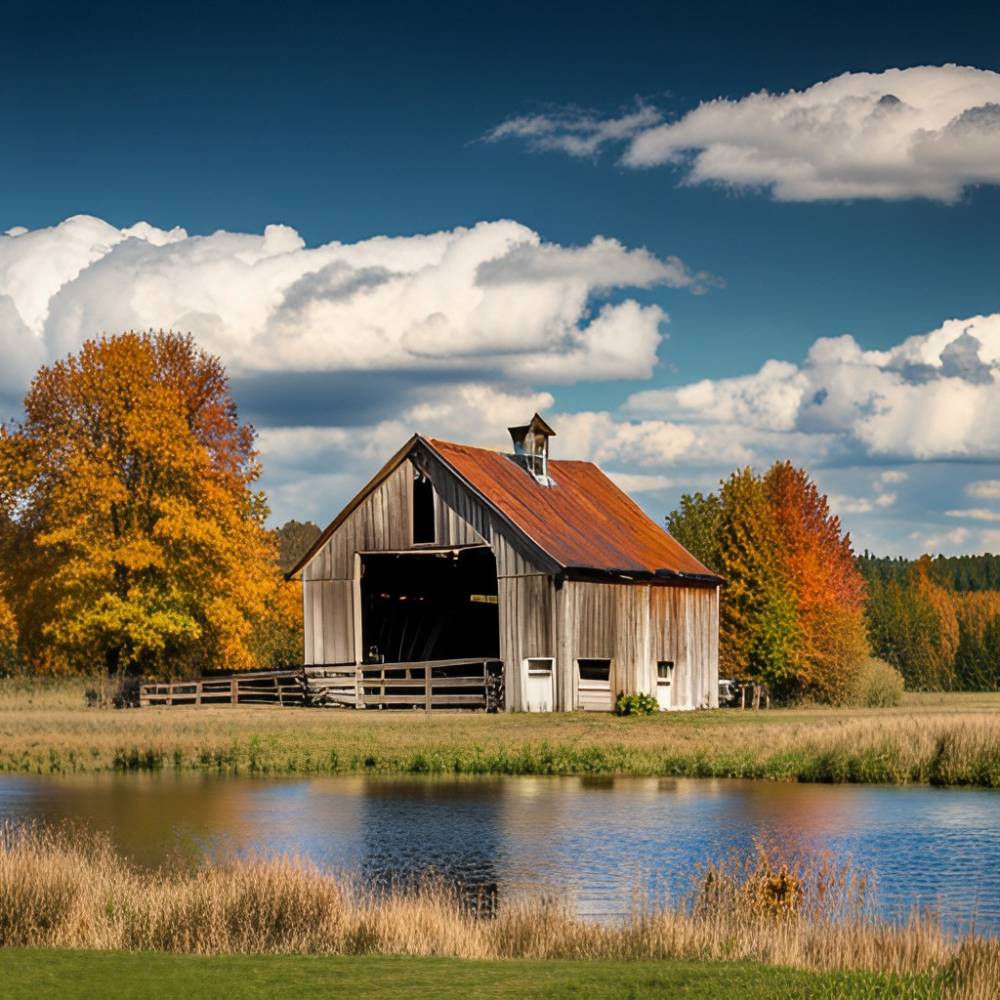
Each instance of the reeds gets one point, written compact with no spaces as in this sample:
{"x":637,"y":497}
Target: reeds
{"x":59,"y":888}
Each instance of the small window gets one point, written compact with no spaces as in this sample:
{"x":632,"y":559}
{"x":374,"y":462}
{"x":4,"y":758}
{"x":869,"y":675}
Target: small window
{"x":423,"y":511}
{"x":594,"y":671}
{"x":665,"y":671}
{"x":539,"y":668}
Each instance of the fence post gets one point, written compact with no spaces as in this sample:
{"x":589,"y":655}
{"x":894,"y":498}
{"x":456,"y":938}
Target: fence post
{"x":232,"y":691}
{"x":427,"y":688}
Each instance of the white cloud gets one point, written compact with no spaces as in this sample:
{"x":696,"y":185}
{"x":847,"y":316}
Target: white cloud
{"x":975,"y":514}
{"x":984,"y":489}
{"x":840,"y":504}
{"x":490,"y":296}
{"x":928,"y":132}
{"x":934,"y":396}
{"x":885,"y":499}
{"x":946,"y":541}
{"x":919,"y":132}
{"x":574,"y":130}
{"x":892,"y":476}
{"x":638,"y":482}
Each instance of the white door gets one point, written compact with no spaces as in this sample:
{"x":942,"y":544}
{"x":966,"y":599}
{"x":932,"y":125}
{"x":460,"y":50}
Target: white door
{"x":541,"y":686}
{"x":664,"y":683}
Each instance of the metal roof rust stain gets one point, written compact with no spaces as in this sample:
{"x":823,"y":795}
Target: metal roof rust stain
{"x":583,"y":521}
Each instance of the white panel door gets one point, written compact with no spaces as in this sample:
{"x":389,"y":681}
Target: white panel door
{"x":664,"y":684}
{"x":541,"y":685}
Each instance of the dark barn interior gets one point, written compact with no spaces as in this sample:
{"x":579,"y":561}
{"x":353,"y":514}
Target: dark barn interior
{"x":430,"y":606}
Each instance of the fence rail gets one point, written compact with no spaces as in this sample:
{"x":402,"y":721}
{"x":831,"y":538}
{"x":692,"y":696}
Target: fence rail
{"x":427,"y":684}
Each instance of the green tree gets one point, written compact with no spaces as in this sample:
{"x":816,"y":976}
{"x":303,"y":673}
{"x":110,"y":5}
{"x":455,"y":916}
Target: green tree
{"x":294,"y":541}
{"x":697,"y":524}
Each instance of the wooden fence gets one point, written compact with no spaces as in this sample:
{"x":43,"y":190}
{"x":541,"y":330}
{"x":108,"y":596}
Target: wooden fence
{"x":428,"y":684}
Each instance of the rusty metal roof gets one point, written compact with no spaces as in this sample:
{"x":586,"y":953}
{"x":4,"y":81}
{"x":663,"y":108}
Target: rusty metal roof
{"x":583,"y":521}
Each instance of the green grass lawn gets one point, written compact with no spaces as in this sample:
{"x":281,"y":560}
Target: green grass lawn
{"x":114,"y":975}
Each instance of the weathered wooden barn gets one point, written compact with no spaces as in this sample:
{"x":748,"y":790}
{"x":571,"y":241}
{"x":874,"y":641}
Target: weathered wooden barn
{"x":545,"y":567}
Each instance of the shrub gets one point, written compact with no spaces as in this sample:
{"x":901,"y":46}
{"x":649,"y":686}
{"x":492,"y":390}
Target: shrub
{"x":635,"y":704}
{"x":875,"y":684}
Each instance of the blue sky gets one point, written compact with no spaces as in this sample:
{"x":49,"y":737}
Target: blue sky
{"x":345,"y":124}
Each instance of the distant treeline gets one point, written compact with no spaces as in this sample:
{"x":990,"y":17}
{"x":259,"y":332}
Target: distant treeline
{"x":964,"y":574}
{"x":937,"y":620}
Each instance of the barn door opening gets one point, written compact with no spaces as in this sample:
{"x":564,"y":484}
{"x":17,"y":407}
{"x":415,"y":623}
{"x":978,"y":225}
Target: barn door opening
{"x":429,"y":606}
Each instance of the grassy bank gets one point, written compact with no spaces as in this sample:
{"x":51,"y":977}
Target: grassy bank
{"x":938,"y":739}
{"x":119,"y":975}
{"x":63,"y":889}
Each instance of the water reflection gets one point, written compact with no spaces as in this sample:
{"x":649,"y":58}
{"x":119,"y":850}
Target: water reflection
{"x":598,"y":839}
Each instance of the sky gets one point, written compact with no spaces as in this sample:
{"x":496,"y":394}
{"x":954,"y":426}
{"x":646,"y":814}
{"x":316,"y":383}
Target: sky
{"x":694,"y":238}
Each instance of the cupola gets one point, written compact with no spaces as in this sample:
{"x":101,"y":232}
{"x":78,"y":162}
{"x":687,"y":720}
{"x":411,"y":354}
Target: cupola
{"x":531,"y":447}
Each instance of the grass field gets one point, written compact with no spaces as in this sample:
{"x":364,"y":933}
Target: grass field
{"x":121,"y":975}
{"x":940,"y":739}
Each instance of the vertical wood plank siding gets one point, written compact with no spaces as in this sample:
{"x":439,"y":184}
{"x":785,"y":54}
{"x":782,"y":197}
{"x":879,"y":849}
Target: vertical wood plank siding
{"x":633,"y":625}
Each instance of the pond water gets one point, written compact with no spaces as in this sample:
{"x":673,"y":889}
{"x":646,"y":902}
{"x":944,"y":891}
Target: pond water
{"x":597,"y":839}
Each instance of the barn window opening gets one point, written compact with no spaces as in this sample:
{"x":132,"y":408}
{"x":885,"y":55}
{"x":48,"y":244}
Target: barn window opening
{"x":664,"y":671}
{"x":594,"y":671}
{"x":594,"y":685}
{"x":423,"y":511}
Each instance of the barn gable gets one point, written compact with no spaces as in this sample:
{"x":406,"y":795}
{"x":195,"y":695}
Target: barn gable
{"x":579,"y":575}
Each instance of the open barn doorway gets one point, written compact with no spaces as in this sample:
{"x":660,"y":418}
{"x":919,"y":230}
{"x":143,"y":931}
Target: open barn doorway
{"x":430,"y":606}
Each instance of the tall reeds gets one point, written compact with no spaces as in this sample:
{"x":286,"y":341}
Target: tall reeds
{"x":59,"y":888}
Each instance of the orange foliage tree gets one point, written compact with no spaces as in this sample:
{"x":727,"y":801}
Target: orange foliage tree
{"x":827,"y":589}
{"x":792,"y":605}
{"x":133,"y":480}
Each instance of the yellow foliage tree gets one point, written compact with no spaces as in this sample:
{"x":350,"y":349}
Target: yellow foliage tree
{"x":133,"y":478}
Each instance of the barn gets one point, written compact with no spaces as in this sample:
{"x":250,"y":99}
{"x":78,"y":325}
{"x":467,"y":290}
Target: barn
{"x":542,"y":568}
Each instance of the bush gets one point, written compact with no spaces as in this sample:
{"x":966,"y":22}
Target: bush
{"x":635,"y":704}
{"x":875,"y":684}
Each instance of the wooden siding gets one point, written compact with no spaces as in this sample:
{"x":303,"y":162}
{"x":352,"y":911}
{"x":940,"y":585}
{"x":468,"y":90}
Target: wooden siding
{"x":381,"y":523}
{"x":635,"y":625}
{"x":526,"y":630}
{"x":684,"y":627}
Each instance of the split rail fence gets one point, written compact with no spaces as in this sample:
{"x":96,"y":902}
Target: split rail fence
{"x":430,"y":684}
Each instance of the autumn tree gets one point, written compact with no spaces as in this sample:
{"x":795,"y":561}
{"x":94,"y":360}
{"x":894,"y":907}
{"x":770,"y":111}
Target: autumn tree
{"x":791,"y":612}
{"x":757,"y":626}
{"x":134,"y":481}
{"x":823,"y":580}
{"x":937,"y":620}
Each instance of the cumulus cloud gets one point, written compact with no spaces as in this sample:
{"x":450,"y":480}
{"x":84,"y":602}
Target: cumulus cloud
{"x":921,"y":132}
{"x":492,"y":296}
{"x":912,"y":402}
{"x":984,"y":489}
{"x":574,"y":130}
{"x":975,"y":514}
{"x":942,"y":541}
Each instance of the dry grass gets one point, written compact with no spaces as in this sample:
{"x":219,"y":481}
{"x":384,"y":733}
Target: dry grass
{"x":944,"y":739}
{"x":62,"y":890}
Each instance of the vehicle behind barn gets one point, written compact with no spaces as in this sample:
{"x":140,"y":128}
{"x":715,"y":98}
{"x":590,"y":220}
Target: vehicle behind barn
{"x":541,"y":575}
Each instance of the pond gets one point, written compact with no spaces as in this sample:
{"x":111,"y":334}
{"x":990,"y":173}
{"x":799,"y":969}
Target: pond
{"x":596,"y":838}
